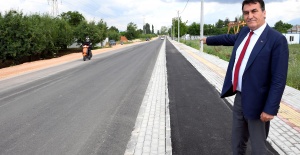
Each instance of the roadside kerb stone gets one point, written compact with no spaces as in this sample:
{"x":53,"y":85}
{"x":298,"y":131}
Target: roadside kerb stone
{"x":152,"y":133}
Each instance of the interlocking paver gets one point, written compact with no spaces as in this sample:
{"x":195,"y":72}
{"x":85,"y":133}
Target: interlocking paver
{"x":152,"y":136}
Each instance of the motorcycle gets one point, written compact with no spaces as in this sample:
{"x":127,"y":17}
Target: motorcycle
{"x":85,"y":53}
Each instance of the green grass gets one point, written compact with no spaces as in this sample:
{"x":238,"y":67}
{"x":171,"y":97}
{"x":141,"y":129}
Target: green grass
{"x":224,"y":52}
{"x":293,"y":78}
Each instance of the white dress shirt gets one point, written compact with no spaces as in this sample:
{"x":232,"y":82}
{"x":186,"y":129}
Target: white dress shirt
{"x":251,"y":45}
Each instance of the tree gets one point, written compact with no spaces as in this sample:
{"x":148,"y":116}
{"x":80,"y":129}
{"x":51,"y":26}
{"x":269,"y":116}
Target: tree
{"x":73,"y":18}
{"x":170,"y":32}
{"x":220,"y":24}
{"x":102,"y":31}
{"x":64,"y":35}
{"x":123,"y":33}
{"x":85,"y":29}
{"x":152,"y":29}
{"x":147,"y":29}
{"x":183,"y":27}
{"x":194,"y":29}
{"x":14,"y":42}
{"x":34,"y":35}
{"x":139,"y":32}
{"x":163,"y":30}
{"x":131,"y":32}
{"x":24,"y":36}
{"x":226,"y":22}
{"x":282,"y":27}
{"x":113,"y":28}
{"x":113,"y":33}
{"x":96,"y":32}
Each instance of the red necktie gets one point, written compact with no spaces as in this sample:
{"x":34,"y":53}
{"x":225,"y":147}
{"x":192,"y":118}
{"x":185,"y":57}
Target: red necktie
{"x":239,"y":62}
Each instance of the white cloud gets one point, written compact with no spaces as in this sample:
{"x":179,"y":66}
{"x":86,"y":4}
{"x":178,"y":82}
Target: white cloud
{"x":285,"y":12}
{"x":155,"y":12}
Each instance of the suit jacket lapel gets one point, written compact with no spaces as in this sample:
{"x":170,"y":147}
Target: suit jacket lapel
{"x":258,"y":47}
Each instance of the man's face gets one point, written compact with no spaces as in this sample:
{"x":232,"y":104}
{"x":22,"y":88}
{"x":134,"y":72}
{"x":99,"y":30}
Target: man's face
{"x":254,"y":16}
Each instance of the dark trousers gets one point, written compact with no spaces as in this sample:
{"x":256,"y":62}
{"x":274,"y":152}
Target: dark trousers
{"x":244,"y":129}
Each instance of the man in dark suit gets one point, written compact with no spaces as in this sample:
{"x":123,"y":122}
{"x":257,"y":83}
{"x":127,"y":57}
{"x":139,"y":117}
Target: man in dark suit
{"x":256,"y":73}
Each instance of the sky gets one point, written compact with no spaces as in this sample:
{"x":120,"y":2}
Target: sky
{"x":120,"y":13}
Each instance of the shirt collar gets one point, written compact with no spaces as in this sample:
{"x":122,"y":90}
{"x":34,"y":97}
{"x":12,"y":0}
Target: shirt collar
{"x":260,"y":29}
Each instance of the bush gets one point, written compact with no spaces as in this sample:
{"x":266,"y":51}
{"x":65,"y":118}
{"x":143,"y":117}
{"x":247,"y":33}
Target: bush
{"x":42,"y":36}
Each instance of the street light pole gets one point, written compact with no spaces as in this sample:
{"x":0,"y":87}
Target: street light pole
{"x":201,"y":27}
{"x":173,"y":29}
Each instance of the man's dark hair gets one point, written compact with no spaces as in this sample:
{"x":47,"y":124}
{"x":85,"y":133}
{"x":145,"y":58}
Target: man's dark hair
{"x":261,"y":2}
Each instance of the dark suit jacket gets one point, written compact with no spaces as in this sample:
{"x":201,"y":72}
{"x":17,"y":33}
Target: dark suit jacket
{"x":265,"y":74}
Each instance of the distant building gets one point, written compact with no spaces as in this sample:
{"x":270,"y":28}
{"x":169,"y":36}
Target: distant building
{"x":293,"y":35}
{"x":294,"y":29}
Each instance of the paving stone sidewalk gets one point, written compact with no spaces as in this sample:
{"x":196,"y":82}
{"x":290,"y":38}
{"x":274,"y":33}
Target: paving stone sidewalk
{"x":152,"y":132}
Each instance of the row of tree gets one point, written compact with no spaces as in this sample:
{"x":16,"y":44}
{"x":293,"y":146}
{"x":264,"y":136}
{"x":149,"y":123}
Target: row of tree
{"x":43,"y":36}
{"x":220,"y":27}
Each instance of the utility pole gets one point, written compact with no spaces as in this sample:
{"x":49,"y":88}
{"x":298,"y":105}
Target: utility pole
{"x":173,"y":30}
{"x":178,"y":27}
{"x":54,"y":7}
{"x":144,"y":27}
{"x":201,"y":27}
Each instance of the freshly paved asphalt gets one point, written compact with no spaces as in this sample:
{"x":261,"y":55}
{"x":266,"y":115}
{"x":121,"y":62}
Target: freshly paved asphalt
{"x":200,"y":119}
{"x":61,"y":122}
{"x":88,"y":108}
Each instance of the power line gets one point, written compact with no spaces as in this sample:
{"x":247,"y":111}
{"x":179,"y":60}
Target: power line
{"x":87,"y":9}
{"x":185,"y":6}
{"x":36,"y":2}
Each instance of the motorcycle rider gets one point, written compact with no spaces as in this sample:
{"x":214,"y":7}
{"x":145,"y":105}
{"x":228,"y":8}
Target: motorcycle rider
{"x":88,"y":43}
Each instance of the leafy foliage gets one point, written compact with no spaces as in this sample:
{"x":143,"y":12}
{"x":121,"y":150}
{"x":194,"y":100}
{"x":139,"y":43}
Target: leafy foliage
{"x":113,"y":35}
{"x":113,"y":28}
{"x":43,"y":35}
{"x":147,"y":29}
{"x":102,"y":31}
{"x":96,"y":32}
{"x":163,"y":30}
{"x":73,"y":18}
{"x":282,"y":27}
{"x":183,"y":28}
{"x":12,"y":25}
{"x":194,"y":29}
{"x":132,"y":32}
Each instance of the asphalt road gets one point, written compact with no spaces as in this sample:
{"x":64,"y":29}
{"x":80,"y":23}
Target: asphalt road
{"x":76,"y":108}
{"x":200,"y":120}
{"x":91,"y":107}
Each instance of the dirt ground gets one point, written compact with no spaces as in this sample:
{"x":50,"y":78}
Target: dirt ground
{"x":41,"y":64}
